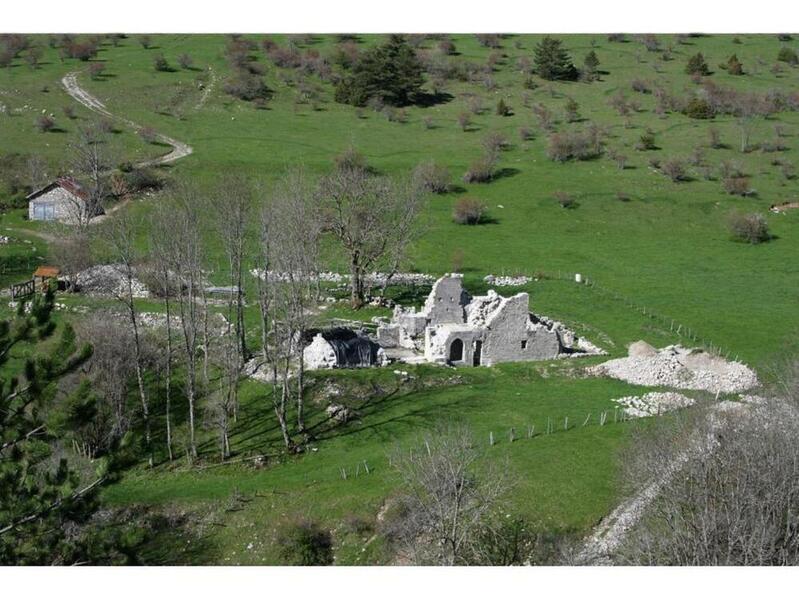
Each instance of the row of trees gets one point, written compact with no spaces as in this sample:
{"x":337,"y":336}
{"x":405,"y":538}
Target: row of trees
{"x":277,"y":231}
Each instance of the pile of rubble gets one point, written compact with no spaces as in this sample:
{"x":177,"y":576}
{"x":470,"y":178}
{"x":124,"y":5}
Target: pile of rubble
{"x":507,"y":280}
{"x":678,"y":367}
{"x":653,"y":403}
{"x":109,"y":280}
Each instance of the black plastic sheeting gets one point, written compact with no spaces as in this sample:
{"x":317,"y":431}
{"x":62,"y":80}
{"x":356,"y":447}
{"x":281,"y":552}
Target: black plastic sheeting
{"x":352,"y":349}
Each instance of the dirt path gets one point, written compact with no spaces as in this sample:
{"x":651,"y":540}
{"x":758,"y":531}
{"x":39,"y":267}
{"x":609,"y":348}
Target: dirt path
{"x":179,"y":149}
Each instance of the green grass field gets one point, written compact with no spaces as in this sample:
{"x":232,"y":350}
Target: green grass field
{"x":666,"y":249}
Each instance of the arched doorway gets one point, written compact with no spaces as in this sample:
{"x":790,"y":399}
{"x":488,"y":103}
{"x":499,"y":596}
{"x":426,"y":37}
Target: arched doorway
{"x":456,"y":350}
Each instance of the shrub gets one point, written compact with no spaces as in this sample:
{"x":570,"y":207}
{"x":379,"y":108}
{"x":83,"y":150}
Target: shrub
{"x":428,"y":123}
{"x":572,"y":111}
{"x":736,"y":185}
{"x":698,"y":108}
{"x":503,"y":110}
{"x":591,"y":62}
{"x":96,"y":69}
{"x":69,"y":112}
{"x":495,"y":142}
{"x":351,"y":160}
{"x":145,"y":41}
{"x":617,"y":37}
{"x":788,"y":171}
{"x":697,"y":65}
{"x":464,"y":121}
{"x":646,"y":141}
{"x":81,"y":50}
{"x":468,"y":211}
{"x":489,"y":40}
{"x":148,"y":134}
{"x":481,"y":170}
{"x":138,"y":179}
{"x":160,"y":63}
{"x":305,"y":543}
{"x":45,"y":123}
{"x":565,"y":199}
{"x":248,"y":87}
{"x":617,"y":157}
{"x":714,"y":138}
{"x":674,"y":169}
{"x":446,"y":47}
{"x":641,"y":86}
{"x":432,"y":177}
{"x":573,"y":146}
{"x":526,"y":134}
{"x":734,"y":66}
{"x":788,"y":55}
{"x":544,"y":115}
{"x":622,"y":196}
{"x":750,"y":228}
{"x":185,"y":61}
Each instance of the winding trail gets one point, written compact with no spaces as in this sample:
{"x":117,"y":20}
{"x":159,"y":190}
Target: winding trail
{"x":179,"y":149}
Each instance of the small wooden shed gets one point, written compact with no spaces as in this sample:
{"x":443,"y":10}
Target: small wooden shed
{"x":43,"y":275}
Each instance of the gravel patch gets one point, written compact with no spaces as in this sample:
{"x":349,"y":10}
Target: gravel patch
{"x":681,"y":368}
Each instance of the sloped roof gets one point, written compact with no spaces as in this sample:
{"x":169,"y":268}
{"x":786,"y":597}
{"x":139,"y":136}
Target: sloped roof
{"x":67,"y":183}
{"x":45,"y":271}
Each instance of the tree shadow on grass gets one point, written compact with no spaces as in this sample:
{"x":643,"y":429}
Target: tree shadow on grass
{"x":505,"y":172}
{"x":428,"y":99}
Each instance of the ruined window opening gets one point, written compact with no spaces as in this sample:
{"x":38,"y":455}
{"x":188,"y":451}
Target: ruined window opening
{"x":524,"y":344}
{"x":478,"y":353}
{"x":456,"y":350}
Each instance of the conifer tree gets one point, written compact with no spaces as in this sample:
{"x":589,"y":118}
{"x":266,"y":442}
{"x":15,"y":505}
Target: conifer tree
{"x":41,"y":495}
{"x":697,"y":65}
{"x":552,"y":61}
{"x":390,"y":72}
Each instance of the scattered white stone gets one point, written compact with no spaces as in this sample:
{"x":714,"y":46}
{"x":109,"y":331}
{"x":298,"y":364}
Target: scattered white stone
{"x":109,"y":280}
{"x":653,"y":403}
{"x":682,"y":368}
{"x":507,"y":280}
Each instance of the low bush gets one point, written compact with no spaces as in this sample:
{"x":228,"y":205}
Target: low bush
{"x":565,"y":199}
{"x":503,"y":110}
{"x":751,"y":228}
{"x":575,"y":145}
{"x":139,"y":179}
{"x":788,"y":55}
{"x":305,"y":543}
{"x":481,"y":170}
{"x":495,"y":142}
{"x":674,"y":169}
{"x":247,"y":87}
{"x":468,"y":211}
{"x":432,"y":177}
{"x":160,"y":63}
{"x":646,"y":141}
{"x":698,"y":108}
{"x":45,"y":123}
{"x":737,"y":186}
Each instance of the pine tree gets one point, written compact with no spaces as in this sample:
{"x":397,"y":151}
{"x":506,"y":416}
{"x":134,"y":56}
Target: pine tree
{"x":41,"y":497}
{"x":734,"y":66}
{"x":552,"y":62}
{"x":591,"y":62}
{"x":390,"y":72}
{"x":697,"y":65}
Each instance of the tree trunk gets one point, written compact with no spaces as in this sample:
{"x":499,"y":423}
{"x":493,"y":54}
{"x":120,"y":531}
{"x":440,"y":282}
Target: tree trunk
{"x":168,"y":390}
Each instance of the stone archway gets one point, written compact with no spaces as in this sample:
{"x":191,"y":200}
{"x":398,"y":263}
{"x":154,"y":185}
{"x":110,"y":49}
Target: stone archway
{"x":456,"y":350}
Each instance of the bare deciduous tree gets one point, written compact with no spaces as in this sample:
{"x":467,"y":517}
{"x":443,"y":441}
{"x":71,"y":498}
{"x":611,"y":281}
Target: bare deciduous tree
{"x":119,"y":234}
{"x":733,"y":502}
{"x":450,"y":498}
{"x":90,"y":162}
{"x":370,"y":216}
